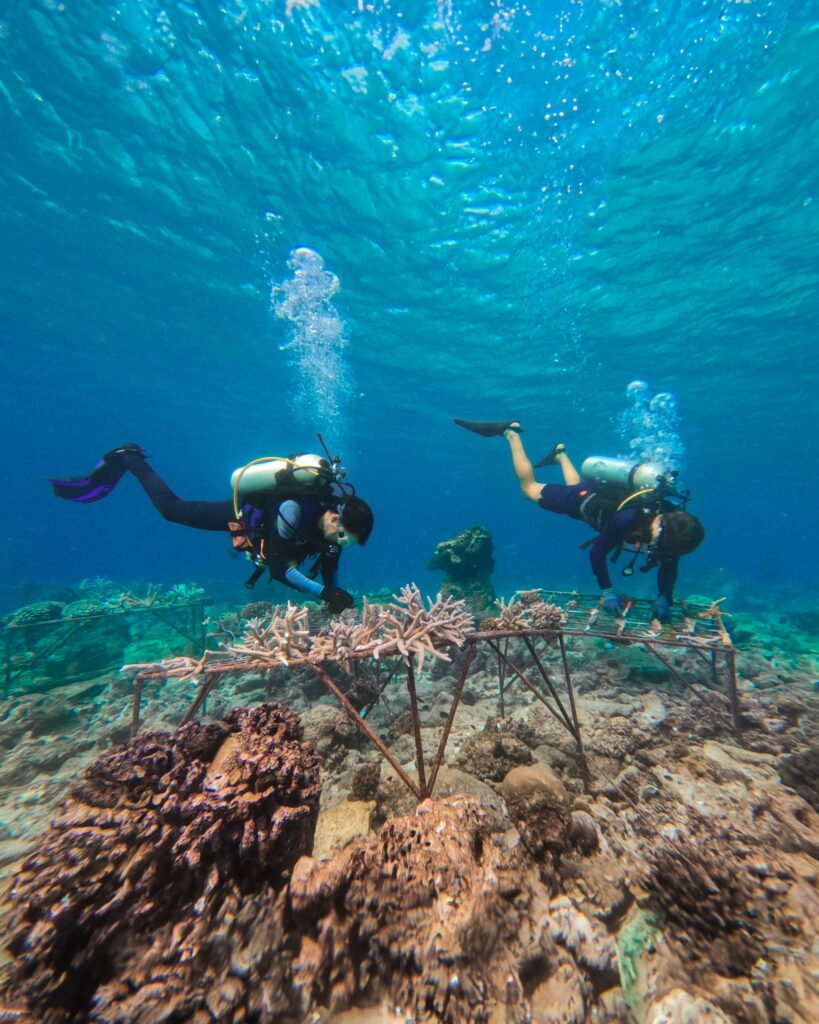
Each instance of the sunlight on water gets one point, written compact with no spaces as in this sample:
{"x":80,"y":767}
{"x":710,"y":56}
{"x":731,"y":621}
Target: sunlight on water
{"x":315,"y":336}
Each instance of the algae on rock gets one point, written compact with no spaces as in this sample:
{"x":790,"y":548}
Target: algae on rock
{"x":467,"y":562}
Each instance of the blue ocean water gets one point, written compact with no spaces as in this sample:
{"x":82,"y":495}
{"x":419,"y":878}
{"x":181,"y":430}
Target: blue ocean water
{"x":522,"y":209}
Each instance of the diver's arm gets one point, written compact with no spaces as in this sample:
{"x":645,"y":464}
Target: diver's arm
{"x":667,"y":577}
{"x":603,"y":544}
{"x":616,"y":532}
{"x":328,"y":566}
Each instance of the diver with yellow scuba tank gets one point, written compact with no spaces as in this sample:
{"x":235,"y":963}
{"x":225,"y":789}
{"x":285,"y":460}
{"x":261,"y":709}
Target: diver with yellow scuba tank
{"x":636,"y":508}
{"x":284,"y":510}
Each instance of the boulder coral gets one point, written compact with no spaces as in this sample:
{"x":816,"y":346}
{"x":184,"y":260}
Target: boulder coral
{"x":467,"y":562}
{"x":160,"y":885}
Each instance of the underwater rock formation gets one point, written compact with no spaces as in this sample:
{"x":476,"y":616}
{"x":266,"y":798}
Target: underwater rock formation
{"x":467,"y":563}
{"x":432,"y":918}
{"x":148,"y":889}
{"x":490,"y":754}
{"x":540,"y":808}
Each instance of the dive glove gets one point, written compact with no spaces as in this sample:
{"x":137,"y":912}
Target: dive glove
{"x":611,"y":602}
{"x":661,"y":610}
{"x":337,"y":599}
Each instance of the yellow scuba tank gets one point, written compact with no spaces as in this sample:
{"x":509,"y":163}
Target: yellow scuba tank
{"x":273,"y":471}
{"x":620,"y":473}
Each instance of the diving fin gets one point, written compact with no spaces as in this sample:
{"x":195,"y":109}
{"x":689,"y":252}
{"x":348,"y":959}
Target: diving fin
{"x":551,"y":458}
{"x":102,"y":479}
{"x":490,"y":429}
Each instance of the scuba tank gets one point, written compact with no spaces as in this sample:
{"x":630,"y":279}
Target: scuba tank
{"x":620,"y":473}
{"x":273,"y":473}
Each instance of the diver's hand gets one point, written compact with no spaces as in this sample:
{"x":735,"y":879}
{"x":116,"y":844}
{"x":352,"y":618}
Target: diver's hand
{"x":661,"y":610}
{"x":336,"y":599}
{"x":612,"y":602}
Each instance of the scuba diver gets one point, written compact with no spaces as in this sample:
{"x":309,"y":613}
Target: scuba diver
{"x":632,"y":507}
{"x":283,"y":511}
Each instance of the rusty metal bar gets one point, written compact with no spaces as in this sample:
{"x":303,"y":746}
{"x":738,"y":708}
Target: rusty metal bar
{"x":373,"y":737}
{"x":456,"y":700}
{"x":649,"y":647}
{"x":733,"y":690}
{"x":502,"y":680}
{"x":382,"y":688}
{"x":622,"y":639}
{"x":416,"y":727}
{"x":209,"y":680}
{"x":172,"y":624}
{"x":584,"y":767}
{"x":531,"y":686}
{"x":136,"y":705}
{"x":528,"y":641}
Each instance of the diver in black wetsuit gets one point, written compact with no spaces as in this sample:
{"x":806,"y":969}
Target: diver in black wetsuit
{"x":279,"y":534}
{"x":665,"y":536}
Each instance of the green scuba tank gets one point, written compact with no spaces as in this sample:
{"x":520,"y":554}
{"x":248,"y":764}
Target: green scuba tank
{"x":274,"y":472}
{"x":620,"y":473}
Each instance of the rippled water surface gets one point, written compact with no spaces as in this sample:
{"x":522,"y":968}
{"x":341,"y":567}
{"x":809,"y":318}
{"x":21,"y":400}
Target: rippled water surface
{"x":525,"y":209}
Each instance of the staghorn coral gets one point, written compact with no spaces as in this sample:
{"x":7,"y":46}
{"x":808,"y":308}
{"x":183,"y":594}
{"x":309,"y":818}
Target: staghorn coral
{"x":525,"y":610}
{"x":406,"y":627}
{"x":212,"y":815}
{"x":40,"y":611}
{"x":84,"y":608}
{"x":511,"y":617}
{"x":280,"y":638}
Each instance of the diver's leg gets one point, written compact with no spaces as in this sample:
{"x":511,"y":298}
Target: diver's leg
{"x":201,"y":515}
{"x":530,"y":488}
{"x":570,"y":474}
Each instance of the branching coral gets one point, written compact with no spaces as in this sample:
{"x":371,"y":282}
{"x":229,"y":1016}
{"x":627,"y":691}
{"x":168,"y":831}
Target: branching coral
{"x":404,"y":627}
{"x":282,"y":638}
{"x":524,"y":611}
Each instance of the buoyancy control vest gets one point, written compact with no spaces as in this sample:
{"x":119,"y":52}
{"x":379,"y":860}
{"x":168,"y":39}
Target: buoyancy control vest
{"x":617,"y":484}
{"x":260,"y":488}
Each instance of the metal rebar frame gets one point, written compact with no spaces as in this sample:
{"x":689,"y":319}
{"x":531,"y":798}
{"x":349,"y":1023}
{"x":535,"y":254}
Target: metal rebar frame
{"x":194,"y":632}
{"x":709,"y":645}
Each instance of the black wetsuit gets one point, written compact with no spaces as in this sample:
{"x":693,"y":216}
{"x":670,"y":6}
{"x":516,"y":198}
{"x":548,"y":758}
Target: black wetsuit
{"x":629,"y":526}
{"x":290,"y":529}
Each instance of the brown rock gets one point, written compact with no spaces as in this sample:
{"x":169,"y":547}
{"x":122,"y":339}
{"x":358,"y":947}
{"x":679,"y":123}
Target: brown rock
{"x":339,"y":825}
{"x":530,"y":780}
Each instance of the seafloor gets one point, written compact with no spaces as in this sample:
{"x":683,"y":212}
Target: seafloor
{"x":267,"y":864}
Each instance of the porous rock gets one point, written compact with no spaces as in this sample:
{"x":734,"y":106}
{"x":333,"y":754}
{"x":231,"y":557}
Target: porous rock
{"x":539,"y":806}
{"x":490,"y":754}
{"x":160,"y":887}
{"x":431,"y":916}
{"x":467,"y":562}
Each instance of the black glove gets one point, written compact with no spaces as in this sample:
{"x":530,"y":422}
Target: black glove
{"x":337,"y":599}
{"x":662,"y":609}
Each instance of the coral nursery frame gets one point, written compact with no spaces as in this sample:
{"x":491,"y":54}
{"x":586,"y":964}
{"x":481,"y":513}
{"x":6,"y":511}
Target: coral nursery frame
{"x":185,"y":616}
{"x":698,"y":630}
